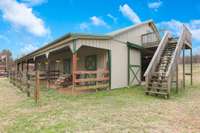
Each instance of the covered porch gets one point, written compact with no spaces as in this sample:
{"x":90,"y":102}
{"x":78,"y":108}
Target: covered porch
{"x":80,"y":65}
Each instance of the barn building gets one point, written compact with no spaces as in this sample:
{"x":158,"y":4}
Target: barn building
{"x":3,"y":65}
{"x":122,"y":58}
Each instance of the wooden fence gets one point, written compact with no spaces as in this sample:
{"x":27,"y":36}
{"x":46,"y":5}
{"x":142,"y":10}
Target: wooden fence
{"x":30,"y":82}
{"x":26,"y":82}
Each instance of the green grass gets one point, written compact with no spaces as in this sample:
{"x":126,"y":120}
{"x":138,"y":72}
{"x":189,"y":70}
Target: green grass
{"x":120,"y":110}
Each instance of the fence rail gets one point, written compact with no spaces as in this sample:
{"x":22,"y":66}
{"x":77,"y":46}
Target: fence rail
{"x":25,"y":81}
{"x":98,"y":79}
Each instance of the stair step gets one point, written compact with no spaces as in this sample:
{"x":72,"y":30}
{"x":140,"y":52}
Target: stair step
{"x":155,"y":92}
{"x":161,"y":67}
{"x":158,"y":84}
{"x":172,"y":42}
{"x":159,"y":76}
{"x":156,"y":87}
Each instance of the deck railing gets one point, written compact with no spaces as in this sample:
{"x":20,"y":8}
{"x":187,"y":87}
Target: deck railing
{"x":91,"y":79}
{"x":152,"y":39}
{"x":185,"y":37}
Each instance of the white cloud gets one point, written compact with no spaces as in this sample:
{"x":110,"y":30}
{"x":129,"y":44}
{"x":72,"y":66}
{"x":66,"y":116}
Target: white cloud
{"x":155,"y":5}
{"x":18,"y":14}
{"x":97,"y":21}
{"x":28,"y":48}
{"x":175,"y":27}
{"x":94,"y":21}
{"x":129,"y":13}
{"x":34,"y":2}
{"x":84,"y":26}
{"x":112,"y":17}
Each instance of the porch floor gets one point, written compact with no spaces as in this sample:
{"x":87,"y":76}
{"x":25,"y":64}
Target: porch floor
{"x":69,"y":90}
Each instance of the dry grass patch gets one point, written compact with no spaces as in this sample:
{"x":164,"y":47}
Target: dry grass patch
{"x":122,"y":110}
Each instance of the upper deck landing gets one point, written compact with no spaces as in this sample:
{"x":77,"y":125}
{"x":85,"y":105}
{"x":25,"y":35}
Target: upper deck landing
{"x":152,"y":39}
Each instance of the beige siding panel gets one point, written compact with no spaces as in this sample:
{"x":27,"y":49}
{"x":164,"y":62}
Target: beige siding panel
{"x":119,"y":65}
{"x":83,"y":52}
{"x":103,"y":44}
{"x":134,"y":35}
{"x":135,"y":59}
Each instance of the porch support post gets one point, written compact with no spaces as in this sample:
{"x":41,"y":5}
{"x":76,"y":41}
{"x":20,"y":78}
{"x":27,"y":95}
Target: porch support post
{"x":177,"y":78}
{"x":47,"y":71}
{"x":27,"y":79}
{"x":22,"y":66}
{"x":74,"y":68}
{"x":183,"y":66}
{"x":191,"y":61}
{"x":27,"y":66}
{"x":18,"y":67}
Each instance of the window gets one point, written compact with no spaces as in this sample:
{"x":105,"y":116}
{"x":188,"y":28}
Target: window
{"x":67,"y":66}
{"x":91,"y":62}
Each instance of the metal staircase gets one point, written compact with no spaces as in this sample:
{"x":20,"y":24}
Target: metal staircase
{"x":161,"y":69}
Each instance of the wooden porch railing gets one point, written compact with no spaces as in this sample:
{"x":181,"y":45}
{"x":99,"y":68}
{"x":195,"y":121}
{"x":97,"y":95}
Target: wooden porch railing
{"x":91,"y":79}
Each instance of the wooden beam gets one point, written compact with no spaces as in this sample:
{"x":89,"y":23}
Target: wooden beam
{"x":91,"y":80}
{"x":91,"y":72}
{"x":177,"y":78}
{"x":74,"y":68}
{"x":22,"y":67}
{"x":183,"y":66}
{"x":191,"y":66}
{"x":27,"y":66}
{"x":37,"y":86}
{"x":47,"y":73}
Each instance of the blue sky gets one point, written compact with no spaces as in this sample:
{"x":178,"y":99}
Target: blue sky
{"x":26,"y":25}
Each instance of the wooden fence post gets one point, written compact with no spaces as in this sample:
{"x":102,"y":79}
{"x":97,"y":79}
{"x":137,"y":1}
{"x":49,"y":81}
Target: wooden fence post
{"x":37,"y":86}
{"x":28,"y":84}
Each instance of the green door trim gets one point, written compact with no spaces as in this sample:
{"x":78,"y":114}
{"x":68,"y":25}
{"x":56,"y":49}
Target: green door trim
{"x":131,"y":69}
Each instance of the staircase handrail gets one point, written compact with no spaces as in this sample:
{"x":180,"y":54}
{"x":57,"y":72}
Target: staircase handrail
{"x":185,"y":36}
{"x":156,"y":58}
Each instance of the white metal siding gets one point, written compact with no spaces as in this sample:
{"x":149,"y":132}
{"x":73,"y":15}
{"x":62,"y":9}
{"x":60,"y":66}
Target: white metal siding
{"x":119,"y":71}
{"x":134,"y":35}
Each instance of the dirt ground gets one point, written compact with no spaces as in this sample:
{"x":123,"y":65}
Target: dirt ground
{"x":120,"y":111}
